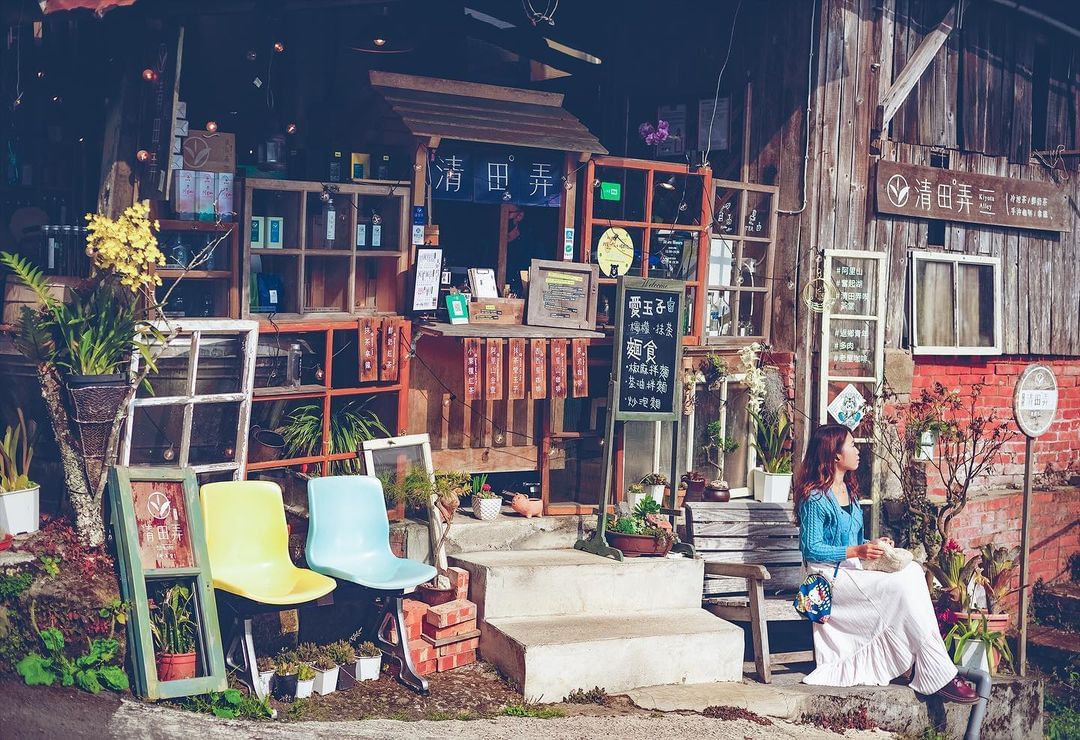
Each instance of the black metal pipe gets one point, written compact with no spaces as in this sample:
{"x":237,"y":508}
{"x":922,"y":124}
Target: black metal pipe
{"x":981,"y":679}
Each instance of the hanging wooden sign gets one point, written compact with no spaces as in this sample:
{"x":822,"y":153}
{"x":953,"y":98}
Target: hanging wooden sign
{"x":516,"y":379}
{"x":391,"y":342}
{"x":580,"y":364}
{"x":558,"y":368}
{"x":538,"y":368}
{"x":493,"y":370}
{"x":161,"y":541}
{"x":369,"y":350}
{"x":473,"y":349}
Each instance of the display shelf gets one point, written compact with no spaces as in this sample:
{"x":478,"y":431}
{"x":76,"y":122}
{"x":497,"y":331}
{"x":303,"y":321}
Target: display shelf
{"x":215,"y":289}
{"x":172,"y":274}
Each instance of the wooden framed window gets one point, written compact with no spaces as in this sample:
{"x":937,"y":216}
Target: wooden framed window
{"x":955,"y":304}
{"x":739,"y":276}
{"x":197,"y":414}
{"x":726,"y":405}
{"x":646,"y":219}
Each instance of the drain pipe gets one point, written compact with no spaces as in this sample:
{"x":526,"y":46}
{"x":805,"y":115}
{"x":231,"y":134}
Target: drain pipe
{"x":981,"y":679}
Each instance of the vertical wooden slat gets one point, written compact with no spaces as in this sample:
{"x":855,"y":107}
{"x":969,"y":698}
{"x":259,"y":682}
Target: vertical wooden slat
{"x":369,"y":349}
{"x":516,"y":373}
{"x":538,"y":368}
{"x":580,"y":355}
{"x":473,"y":381}
{"x":1020,"y":131}
{"x":558,"y":368}
{"x":493,"y":370}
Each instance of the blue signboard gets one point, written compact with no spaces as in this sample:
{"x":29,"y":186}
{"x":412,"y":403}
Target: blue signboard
{"x":526,"y":177}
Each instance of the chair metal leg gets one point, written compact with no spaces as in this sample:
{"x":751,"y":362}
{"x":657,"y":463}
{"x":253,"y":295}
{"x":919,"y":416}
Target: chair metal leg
{"x":398,"y":650}
{"x":246,"y":666}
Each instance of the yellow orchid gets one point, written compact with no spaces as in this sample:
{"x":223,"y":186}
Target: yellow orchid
{"x":126,"y":246}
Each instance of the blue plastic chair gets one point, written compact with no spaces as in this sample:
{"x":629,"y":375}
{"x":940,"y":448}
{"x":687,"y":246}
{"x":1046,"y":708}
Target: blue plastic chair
{"x":349,"y":539}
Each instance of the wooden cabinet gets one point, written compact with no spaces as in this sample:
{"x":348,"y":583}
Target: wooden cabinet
{"x":206,"y":256}
{"x":324,"y":250}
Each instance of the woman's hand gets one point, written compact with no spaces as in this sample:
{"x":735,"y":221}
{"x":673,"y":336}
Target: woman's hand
{"x":887,"y":540}
{"x":867,"y":551}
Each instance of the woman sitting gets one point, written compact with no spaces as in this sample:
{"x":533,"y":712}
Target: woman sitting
{"x":881,"y":624}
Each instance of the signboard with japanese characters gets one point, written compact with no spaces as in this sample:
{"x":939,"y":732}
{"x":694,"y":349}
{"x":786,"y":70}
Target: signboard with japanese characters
{"x":369,"y":349}
{"x":473,"y":382}
{"x":579,"y":351}
{"x":648,"y":349}
{"x":562,"y":294}
{"x":950,"y":195}
{"x":516,"y":372}
{"x":497,"y":174}
{"x":426,"y":280}
{"x":161,"y":541}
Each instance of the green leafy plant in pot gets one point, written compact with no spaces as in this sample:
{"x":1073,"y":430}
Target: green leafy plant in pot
{"x":654,"y":484}
{"x":974,"y":644}
{"x":642,"y":531}
{"x":997,"y":566}
{"x":486,"y":504}
{"x":19,"y":496}
{"x":174,"y":630}
{"x":446,"y":496}
{"x":350,"y":425}
{"x":285,"y":679}
{"x":717,"y":448}
{"x":772,"y":482}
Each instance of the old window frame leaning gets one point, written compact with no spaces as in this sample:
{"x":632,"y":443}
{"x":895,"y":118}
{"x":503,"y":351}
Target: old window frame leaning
{"x":745,"y":438}
{"x":247,"y":333}
{"x":955,"y":261}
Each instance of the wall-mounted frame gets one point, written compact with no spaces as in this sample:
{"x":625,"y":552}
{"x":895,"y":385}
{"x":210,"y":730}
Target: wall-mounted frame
{"x":562,"y":294}
{"x":160,"y":537}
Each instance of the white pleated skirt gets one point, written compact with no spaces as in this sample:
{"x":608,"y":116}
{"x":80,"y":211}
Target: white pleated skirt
{"x":881,"y":625}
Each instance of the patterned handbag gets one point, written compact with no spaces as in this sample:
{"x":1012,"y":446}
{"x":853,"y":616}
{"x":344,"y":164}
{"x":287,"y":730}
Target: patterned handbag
{"x":814,"y":599}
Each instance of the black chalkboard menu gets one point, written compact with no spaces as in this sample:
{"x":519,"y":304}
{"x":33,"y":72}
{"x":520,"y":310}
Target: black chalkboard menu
{"x":648,"y":349}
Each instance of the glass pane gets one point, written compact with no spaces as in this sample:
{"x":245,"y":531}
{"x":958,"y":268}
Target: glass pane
{"x":198,"y":250}
{"x":289,"y":360}
{"x":751,"y":314}
{"x":213,"y":433}
{"x":719,"y":426}
{"x":936,"y":301}
{"x":975,"y":295}
{"x":691,"y":311}
{"x":851,"y":347}
{"x":752,"y":265}
{"x":721,"y":261}
{"x":673,"y":254}
{"x":378,"y":224}
{"x":221,"y":362}
{"x":329,"y":222}
{"x":155,"y":435}
{"x":719,"y":317}
{"x":856,"y":279}
{"x":619,"y":194}
{"x":725,"y":215}
{"x":172,"y":370}
{"x":676,"y":198}
{"x":326,"y":284}
{"x":617,"y":250}
{"x":577,"y":471}
{"x":758,"y":208}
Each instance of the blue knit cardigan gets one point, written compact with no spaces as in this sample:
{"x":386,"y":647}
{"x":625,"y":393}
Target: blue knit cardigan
{"x":827,"y":529}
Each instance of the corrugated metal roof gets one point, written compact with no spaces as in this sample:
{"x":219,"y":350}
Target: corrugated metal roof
{"x":468,"y":111}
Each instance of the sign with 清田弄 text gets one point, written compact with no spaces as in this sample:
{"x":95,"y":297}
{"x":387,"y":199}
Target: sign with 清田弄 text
{"x":949,"y":195}
{"x":497,"y":174}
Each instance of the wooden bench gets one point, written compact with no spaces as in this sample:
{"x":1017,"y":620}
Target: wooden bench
{"x":753,"y":567}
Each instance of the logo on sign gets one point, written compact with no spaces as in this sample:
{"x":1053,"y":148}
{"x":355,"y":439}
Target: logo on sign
{"x":898,"y":190}
{"x":158,"y":505}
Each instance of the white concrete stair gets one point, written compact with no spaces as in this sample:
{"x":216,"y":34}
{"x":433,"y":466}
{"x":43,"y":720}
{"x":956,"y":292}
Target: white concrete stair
{"x":557,"y":620}
{"x":537,"y":583}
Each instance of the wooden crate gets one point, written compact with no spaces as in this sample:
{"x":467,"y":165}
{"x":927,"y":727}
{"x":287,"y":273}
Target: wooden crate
{"x":496,"y":311}
{"x":17,"y":295}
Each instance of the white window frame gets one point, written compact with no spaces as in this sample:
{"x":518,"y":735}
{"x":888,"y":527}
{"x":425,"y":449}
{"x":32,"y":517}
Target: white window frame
{"x":747,"y":436}
{"x":248,"y":334}
{"x":955,"y":260}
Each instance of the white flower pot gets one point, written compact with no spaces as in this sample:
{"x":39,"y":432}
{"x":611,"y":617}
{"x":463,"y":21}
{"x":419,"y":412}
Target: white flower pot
{"x":487,"y":509}
{"x":975,"y":656}
{"x":326,"y":681}
{"x":303,"y":688}
{"x":19,"y":511}
{"x":265,"y":677}
{"x":656,"y":493}
{"x":771,"y":488}
{"x":926,"y":446}
{"x":367,"y":669}
{"x":633,"y":497}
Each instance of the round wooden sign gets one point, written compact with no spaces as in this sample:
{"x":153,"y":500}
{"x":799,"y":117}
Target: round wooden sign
{"x":1035,"y":400}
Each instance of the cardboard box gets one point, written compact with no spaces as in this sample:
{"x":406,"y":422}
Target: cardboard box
{"x":210,"y":152}
{"x":183,"y":196}
{"x":180,"y":128}
{"x":275,"y":232}
{"x":258,"y":232}
{"x":181,"y":109}
{"x":224,"y":182}
{"x":205,"y":195}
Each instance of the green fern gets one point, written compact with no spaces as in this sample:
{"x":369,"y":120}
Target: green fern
{"x":32,"y":277}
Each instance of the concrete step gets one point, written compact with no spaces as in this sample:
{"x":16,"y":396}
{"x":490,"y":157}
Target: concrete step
{"x":538,"y":583}
{"x":548,"y":657}
{"x":508,"y":531}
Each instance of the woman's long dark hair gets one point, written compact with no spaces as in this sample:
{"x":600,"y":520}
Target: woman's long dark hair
{"x":818,"y":466}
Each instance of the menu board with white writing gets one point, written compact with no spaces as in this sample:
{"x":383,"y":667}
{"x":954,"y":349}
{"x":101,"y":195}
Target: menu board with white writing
{"x":648,"y":349}
{"x":562,"y":294}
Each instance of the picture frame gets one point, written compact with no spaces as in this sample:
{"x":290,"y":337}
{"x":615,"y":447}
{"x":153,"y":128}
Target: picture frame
{"x":562,"y":295}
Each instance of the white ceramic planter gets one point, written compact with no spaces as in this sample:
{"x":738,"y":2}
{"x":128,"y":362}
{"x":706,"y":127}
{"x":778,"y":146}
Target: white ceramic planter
{"x":19,"y":511}
{"x":304,"y":688}
{"x":487,"y":509}
{"x":771,"y":488}
{"x":326,"y":681}
{"x":974,"y":656}
{"x":265,"y":677}
{"x":926,"y":446}
{"x":367,"y":669}
{"x":656,"y":493}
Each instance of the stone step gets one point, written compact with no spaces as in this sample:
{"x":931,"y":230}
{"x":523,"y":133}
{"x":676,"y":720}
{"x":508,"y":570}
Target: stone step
{"x":548,"y":657}
{"x":538,"y":583}
{"x":508,"y":531}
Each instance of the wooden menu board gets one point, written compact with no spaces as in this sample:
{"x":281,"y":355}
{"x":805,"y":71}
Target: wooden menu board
{"x":580,"y":359}
{"x":558,"y":368}
{"x":493,"y":370}
{"x":473,"y":381}
{"x":160,"y":536}
{"x":648,"y":349}
{"x":516,"y":372}
{"x":562,"y":294}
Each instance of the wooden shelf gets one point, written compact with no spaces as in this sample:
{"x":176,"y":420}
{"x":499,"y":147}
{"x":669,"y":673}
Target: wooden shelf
{"x":174,"y":224}
{"x":289,"y":391}
{"x":172,"y":273}
{"x":377,"y":253}
{"x":285,"y":252}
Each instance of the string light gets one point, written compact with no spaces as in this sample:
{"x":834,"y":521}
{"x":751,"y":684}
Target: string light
{"x":251,"y":55}
{"x":291,"y":128}
{"x":379,"y":41}
{"x":211,"y":126}
{"x":279,"y":47}
{"x":40,"y":74}
{"x":57,"y":99}
{"x":142,"y":155}
{"x":149,"y":75}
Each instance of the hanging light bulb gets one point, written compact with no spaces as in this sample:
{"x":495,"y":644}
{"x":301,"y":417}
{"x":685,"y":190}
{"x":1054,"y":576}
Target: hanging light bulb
{"x":507,"y":196}
{"x":279,"y":47}
{"x":668,"y":184}
{"x":291,"y":128}
{"x":149,"y":75}
{"x":57,"y":99}
{"x":320,"y":374}
{"x":142,"y":155}
{"x":211,"y":126}
{"x":376,"y":218}
{"x":168,"y":454}
{"x":378,"y":41}
{"x":251,"y":55}
{"x":40,"y":74}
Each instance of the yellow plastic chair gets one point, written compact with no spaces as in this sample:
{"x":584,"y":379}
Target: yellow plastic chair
{"x":247,"y":541}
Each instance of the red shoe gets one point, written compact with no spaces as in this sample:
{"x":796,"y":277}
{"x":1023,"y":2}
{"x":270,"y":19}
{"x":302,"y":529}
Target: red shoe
{"x":958,"y":690}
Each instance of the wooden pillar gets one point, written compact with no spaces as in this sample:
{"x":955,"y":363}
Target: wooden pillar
{"x":117,"y":188}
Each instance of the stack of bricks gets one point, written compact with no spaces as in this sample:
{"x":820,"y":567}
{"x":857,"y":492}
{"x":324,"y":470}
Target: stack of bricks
{"x":443,"y":637}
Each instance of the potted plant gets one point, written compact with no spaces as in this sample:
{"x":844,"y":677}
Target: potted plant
{"x":350,"y":425}
{"x":173,"y":631}
{"x":305,"y":681}
{"x":717,"y":447}
{"x":445,"y":499}
{"x":641,"y":531}
{"x":654,"y":484}
{"x":307,"y":653}
{"x":285,"y":679}
{"x":343,"y":654}
{"x":772,"y":483}
{"x":634,"y":493}
{"x":486,"y":504}
{"x":19,"y":496}
{"x":955,"y":573}
{"x":695,"y":485}
{"x":368,"y":662}
{"x":974,"y":644}
{"x":997,"y":565}
{"x":265,"y":667}
{"x":714,"y":370}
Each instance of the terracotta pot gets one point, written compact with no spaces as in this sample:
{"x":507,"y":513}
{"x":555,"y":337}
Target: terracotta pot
{"x":396,"y":513}
{"x":680,"y":497}
{"x":172,"y":667}
{"x":433,"y":595}
{"x":694,"y":487}
{"x":635,"y":545}
{"x":994,"y":622}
